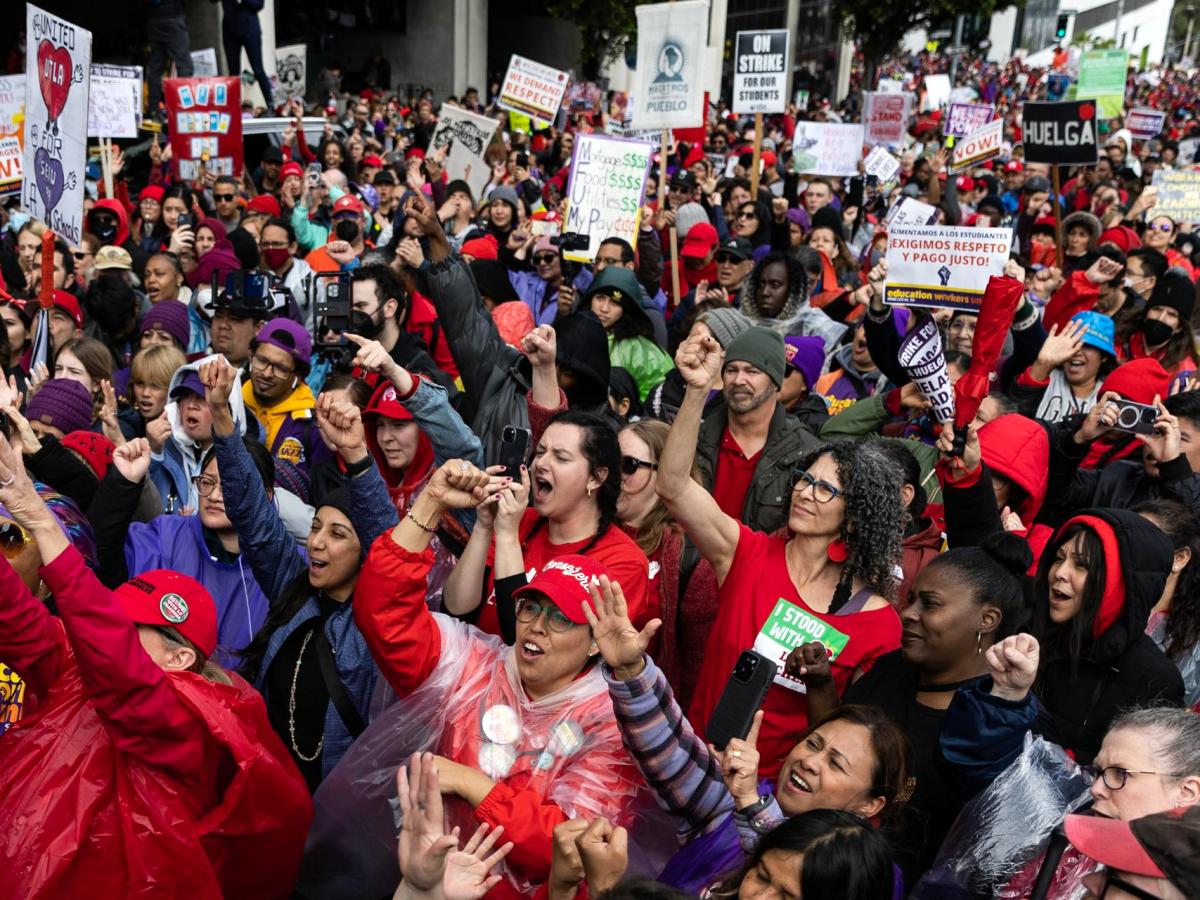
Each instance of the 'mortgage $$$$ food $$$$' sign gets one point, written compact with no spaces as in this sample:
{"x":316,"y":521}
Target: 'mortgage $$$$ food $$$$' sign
{"x":604,"y":196}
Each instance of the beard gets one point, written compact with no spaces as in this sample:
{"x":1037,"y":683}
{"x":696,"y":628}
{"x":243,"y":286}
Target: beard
{"x":744,"y":400}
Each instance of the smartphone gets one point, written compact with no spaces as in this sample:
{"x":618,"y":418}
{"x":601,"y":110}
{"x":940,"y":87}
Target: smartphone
{"x":514,"y":450}
{"x":1136,"y":418}
{"x":314,"y":174}
{"x":523,"y":160}
{"x":744,"y":693}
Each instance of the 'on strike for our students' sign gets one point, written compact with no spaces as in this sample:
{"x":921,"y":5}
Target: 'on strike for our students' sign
{"x":604,"y":194}
{"x":942,"y":266}
{"x":760,"y":72}
{"x":1062,"y":134}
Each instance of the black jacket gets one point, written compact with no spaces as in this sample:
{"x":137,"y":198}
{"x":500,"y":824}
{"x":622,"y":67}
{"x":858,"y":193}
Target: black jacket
{"x":1122,"y":668}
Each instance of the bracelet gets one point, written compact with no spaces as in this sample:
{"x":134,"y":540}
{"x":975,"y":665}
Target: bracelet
{"x":353,"y":470}
{"x":416,"y":521}
{"x":756,"y":807}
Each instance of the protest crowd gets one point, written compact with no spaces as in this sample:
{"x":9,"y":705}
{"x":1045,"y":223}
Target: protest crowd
{"x":446,"y":501}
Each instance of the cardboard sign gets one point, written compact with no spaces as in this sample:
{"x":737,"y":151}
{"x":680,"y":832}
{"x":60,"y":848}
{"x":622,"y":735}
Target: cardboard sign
{"x":1144,"y":123}
{"x":532,"y":88}
{"x":468,"y":136}
{"x":291,"y":72}
{"x":1178,"y":195}
{"x":1102,"y":77}
{"x":58,"y":62}
{"x":114,"y":101}
{"x":965,"y":118}
{"x":206,"y":125}
{"x":944,"y":267}
{"x":825,"y":148}
{"x":923,"y":361}
{"x":937,"y":92}
{"x":982,"y":145}
{"x":760,"y":72}
{"x":885,"y":118}
{"x":669,"y":86}
{"x":12,"y":132}
{"x":204,"y":63}
{"x":890,"y":86}
{"x":605,"y":190}
{"x":881,"y":164}
{"x":909,"y":212}
{"x":1062,"y":134}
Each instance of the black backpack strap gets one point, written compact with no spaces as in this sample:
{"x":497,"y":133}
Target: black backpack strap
{"x":333,"y":683}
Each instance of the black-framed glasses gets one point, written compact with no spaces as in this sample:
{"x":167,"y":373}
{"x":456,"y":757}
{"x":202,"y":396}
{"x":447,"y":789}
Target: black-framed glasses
{"x":544,"y":259}
{"x":263,"y":366}
{"x":823,"y":491}
{"x":224,"y":198}
{"x":13,"y":539}
{"x":631,"y":464}
{"x":723,"y":258}
{"x":1115,"y":777}
{"x":556,"y":620}
{"x":1116,"y":881}
{"x":205,"y":484}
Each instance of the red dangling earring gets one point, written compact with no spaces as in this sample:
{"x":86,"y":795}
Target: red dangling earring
{"x":838,"y":551}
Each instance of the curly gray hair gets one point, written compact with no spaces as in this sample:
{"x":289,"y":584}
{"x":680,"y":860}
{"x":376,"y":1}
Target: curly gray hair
{"x":873,"y":526}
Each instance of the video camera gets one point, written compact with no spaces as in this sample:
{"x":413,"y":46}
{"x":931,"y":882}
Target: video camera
{"x":246,"y":293}
{"x":569,"y":242}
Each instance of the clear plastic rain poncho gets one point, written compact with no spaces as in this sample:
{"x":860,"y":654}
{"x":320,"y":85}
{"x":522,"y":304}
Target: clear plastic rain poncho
{"x":996,"y":846}
{"x":472,"y":709}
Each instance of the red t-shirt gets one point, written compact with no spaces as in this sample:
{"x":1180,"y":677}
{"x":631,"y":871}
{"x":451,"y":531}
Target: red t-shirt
{"x":760,"y":609}
{"x":735,"y":471}
{"x":625,"y":561}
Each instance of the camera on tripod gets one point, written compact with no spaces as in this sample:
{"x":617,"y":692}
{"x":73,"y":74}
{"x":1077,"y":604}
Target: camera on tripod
{"x":333,"y":314}
{"x":246,"y":292}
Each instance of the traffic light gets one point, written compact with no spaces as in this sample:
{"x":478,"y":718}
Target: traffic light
{"x":1060,"y":32}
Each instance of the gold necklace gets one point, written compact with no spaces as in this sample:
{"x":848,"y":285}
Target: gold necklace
{"x":292,"y":708}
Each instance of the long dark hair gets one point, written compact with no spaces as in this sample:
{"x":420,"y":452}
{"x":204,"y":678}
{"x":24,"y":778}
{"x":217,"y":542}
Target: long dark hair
{"x":601,"y":449}
{"x":844,"y":857}
{"x":634,"y":322}
{"x":1072,"y":638}
{"x":1179,"y":347}
{"x":283,"y":608}
{"x":1183,"y":618}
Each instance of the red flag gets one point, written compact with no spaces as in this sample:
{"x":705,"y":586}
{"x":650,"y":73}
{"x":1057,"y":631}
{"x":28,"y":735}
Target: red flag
{"x":996,"y":313}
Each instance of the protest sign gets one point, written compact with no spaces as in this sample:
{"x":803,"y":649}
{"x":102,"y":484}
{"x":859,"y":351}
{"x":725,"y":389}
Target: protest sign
{"x":944,"y":267}
{"x":669,"y":85}
{"x":204,"y":62}
{"x":114,"y":101}
{"x":978,"y":147}
{"x":291,"y":72}
{"x":1178,"y":195}
{"x":532,"y":88}
{"x":881,"y":164}
{"x":885,"y":118}
{"x":965,"y":118}
{"x":1102,"y":77}
{"x":908,"y":212}
{"x":584,"y":97}
{"x":825,"y":148}
{"x":205,"y":116}
{"x":1144,"y":123}
{"x":604,"y":191}
{"x":1062,"y":134}
{"x":58,"y":58}
{"x":467,"y":136}
{"x":890,"y":86}
{"x":12,"y":132}
{"x":1189,"y":151}
{"x":923,"y":361}
{"x":760,"y":72}
{"x":937,"y":92}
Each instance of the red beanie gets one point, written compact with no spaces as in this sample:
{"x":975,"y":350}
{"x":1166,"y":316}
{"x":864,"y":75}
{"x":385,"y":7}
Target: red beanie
{"x":1121,"y":236}
{"x":152,"y":192}
{"x":1138,"y":380}
{"x":484,"y":247}
{"x":265,"y":203}
{"x":95,"y":448}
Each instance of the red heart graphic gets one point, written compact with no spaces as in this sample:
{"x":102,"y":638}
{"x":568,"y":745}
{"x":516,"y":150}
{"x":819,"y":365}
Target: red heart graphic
{"x":54,"y":76}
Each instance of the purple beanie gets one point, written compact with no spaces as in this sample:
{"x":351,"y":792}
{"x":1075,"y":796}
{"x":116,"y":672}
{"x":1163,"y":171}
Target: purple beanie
{"x":807,"y":354}
{"x":288,"y":336}
{"x":172,"y":317}
{"x":62,"y":403}
{"x":799,"y":216}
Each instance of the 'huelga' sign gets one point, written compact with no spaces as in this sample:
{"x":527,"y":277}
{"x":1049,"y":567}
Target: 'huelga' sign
{"x":1062,"y":134}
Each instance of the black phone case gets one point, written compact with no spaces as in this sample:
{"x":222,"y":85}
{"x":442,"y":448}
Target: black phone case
{"x":734,"y":713}
{"x":512,"y":454}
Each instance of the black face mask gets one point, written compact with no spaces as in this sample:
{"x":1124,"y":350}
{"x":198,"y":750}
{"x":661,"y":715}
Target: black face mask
{"x":1156,"y":332}
{"x":365,"y":324}
{"x":105,"y":230}
{"x":346,"y":230}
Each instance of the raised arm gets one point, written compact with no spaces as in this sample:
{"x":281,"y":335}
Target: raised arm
{"x":715,"y":534}
{"x":30,"y":638}
{"x":371,"y":509}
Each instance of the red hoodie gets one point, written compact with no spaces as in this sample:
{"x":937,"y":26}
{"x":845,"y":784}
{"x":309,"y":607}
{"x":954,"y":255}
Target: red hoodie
{"x":117,"y":209}
{"x":1019,"y":449}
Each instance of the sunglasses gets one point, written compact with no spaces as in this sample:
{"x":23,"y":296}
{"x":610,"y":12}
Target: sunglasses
{"x":631,"y":464}
{"x":1162,"y":226}
{"x":728,"y":258}
{"x":13,"y":539}
{"x":544,"y":259}
{"x":224,"y":198}
{"x":747,"y":215}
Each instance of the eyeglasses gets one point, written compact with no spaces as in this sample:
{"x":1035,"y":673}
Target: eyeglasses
{"x":544,"y":259}
{"x":13,"y":539}
{"x":823,"y":491}
{"x":1115,"y":881}
{"x":747,"y":215}
{"x":273,"y":245}
{"x":224,"y":198}
{"x":262,"y":366}
{"x":81,"y":255}
{"x":556,"y":619}
{"x":1114,"y":777}
{"x":205,"y":484}
{"x":604,"y":263}
{"x":631,"y":464}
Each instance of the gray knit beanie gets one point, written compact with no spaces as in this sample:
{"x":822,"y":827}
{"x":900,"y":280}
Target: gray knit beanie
{"x":725,"y":324}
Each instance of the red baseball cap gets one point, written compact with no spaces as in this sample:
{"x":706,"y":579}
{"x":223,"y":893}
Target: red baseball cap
{"x":164,"y":597}
{"x":348,"y":203}
{"x":565,"y":582}
{"x":69,"y":304}
{"x":700,"y":241}
{"x":1014,"y":165}
{"x":768,"y":158}
{"x":373,"y":161}
{"x":291,"y":168}
{"x":1111,"y":842}
{"x":965,"y":183}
